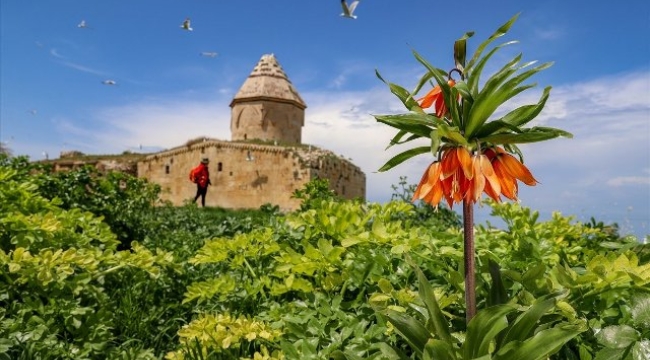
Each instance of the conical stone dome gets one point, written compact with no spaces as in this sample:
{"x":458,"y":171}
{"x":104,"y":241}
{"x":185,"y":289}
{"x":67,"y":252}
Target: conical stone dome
{"x":268,"y":81}
{"x":267,"y":106}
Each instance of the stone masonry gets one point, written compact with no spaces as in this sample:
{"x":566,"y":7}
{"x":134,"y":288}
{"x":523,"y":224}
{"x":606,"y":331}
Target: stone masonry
{"x":265,"y":162}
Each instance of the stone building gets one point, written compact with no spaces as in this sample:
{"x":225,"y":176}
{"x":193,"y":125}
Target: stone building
{"x":265,"y":161}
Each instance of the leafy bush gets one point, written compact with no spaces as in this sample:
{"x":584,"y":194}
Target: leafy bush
{"x":323,"y":281}
{"x":121,"y":199}
{"x":425,"y":215}
{"x":58,"y":269}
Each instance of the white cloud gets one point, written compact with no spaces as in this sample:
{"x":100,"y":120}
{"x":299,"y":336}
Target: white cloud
{"x":549,"y":33}
{"x":629,"y":180}
{"x":164,"y":122}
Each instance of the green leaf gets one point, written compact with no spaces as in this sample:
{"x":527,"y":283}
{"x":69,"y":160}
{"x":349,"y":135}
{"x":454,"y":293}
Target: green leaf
{"x":454,"y":107}
{"x":523,"y":326}
{"x":418,"y":124}
{"x":434,"y":71}
{"x":498,"y":294}
{"x":438,"y":350}
{"x":617,"y":336}
{"x":403,"y":156}
{"x":534,"y":275}
{"x":401,"y":93}
{"x":525,"y":137}
{"x":474,"y":76}
{"x":410,"y":329}
{"x":464,"y":92}
{"x":423,"y":80}
{"x":496,"y":92}
{"x":440,"y":76}
{"x":496,"y":127}
{"x":435,"y":142}
{"x":388,"y":352}
{"x":460,"y":51}
{"x":526,"y":113}
{"x":640,"y":311}
{"x":502,"y":30}
{"x":436,"y":317}
{"x":397,"y":139}
{"x":483,"y":328}
{"x":544,"y":343}
{"x":452,"y":134}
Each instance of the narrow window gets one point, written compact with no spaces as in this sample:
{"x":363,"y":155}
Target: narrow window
{"x":166,"y":169}
{"x":219,"y":166}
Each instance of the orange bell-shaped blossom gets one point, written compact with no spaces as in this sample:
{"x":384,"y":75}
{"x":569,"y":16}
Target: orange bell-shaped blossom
{"x":459,"y":176}
{"x":451,"y":177}
{"x":430,"y":189}
{"x":485,"y":179}
{"x":508,"y":170}
{"x":436,"y":98}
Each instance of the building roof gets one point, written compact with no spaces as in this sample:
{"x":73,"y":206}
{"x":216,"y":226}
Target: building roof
{"x":268,"y":81}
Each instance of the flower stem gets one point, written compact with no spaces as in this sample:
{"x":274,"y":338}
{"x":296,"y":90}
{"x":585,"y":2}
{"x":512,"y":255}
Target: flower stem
{"x":470,"y":283}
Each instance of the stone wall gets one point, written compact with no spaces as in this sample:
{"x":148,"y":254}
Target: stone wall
{"x":345,"y":178}
{"x":126,"y":166}
{"x":248,"y":175}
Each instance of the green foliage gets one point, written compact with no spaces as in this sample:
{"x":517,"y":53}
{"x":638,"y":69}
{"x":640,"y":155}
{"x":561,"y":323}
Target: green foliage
{"x":471,"y":104}
{"x":494,"y":333}
{"x":329,"y":281}
{"x":57,"y":267}
{"x":426,"y":215}
{"x":225,"y":336}
{"x":628,"y":341}
{"x":121,"y":199}
{"x":314,"y":191}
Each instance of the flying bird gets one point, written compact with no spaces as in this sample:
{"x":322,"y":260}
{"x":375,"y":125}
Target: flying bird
{"x":109,"y":82}
{"x":348,"y":11}
{"x":186,"y":25}
{"x":209,"y":54}
{"x":82,"y":25}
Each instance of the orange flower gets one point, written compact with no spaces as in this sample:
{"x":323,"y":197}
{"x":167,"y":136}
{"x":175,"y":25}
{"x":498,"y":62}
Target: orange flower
{"x":436,"y":98}
{"x":460,"y":176}
{"x":451,"y":177}
{"x":508,"y":170}
{"x":430,"y":189}
{"x":485,"y":179}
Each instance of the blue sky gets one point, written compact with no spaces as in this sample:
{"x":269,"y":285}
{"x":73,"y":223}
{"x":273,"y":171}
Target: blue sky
{"x":52,"y":97}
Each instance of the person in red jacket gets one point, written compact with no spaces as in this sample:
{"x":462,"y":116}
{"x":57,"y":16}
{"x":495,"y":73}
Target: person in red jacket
{"x":201,"y":176}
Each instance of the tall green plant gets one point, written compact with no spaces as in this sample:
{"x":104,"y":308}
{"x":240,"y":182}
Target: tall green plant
{"x":472,"y":149}
{"x":494,"y":333}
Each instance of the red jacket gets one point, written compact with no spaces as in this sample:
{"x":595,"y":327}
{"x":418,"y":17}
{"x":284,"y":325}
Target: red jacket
{"x":201,"y":175}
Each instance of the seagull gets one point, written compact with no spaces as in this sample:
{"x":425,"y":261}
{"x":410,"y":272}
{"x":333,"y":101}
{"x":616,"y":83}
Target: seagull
{"x":348,"y":11}
{"x":209,"y":54}
{"x":82,"y":25}
{"x":109,"y":82}
{"x":186,"y":25}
